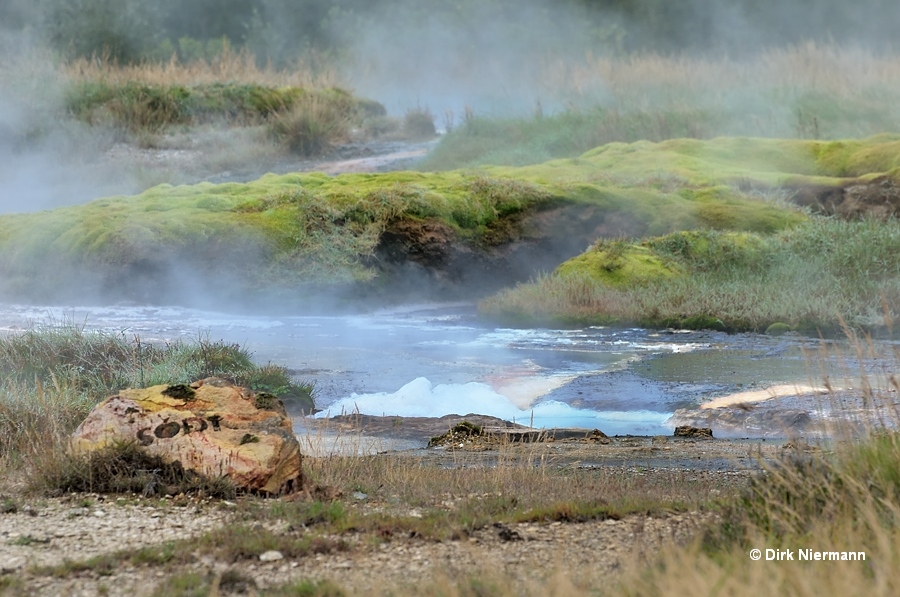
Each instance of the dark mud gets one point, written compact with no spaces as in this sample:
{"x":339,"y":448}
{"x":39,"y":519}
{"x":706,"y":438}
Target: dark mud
{"x":503,"y":441}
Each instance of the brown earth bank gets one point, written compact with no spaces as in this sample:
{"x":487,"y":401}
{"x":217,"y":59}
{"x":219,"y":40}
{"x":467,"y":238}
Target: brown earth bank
{"x":427,"y":259}
{"x":878,"y":198}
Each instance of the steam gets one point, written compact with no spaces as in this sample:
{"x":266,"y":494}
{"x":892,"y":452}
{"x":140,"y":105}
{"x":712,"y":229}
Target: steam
{"x":421,"y":398}
{"x":46,"y":159}
{"x":491,"y":58}
{"x":522,"y":58}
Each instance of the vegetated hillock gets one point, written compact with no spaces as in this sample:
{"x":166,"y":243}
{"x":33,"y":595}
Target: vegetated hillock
{"x":140,"y":105}
{"x":808,"y":279}
{"x":808,"y":91}
{"x":306,"y":120}
{"x":809,"y":276}
{"x":462,"y":232}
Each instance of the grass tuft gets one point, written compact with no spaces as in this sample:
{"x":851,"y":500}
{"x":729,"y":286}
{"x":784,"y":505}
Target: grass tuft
{"x":120,"y":468}
{"x":315,"y":122}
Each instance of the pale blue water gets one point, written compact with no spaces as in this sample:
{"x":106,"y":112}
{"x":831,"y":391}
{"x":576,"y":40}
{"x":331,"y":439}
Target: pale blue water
{"x":432,"y":360}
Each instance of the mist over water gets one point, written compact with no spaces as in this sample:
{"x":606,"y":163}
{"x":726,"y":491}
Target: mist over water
{"x":421,"y":398}
{"x":433,"y":360}
{"x":491,"y":59}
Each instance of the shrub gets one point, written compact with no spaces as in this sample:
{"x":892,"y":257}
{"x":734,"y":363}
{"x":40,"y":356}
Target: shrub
{"x":418,"y":123}
{"x":313,"y":124}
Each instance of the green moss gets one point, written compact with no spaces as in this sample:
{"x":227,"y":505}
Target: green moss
{"x":618,"y":264}
{"x":854,"y":158}
{"x":266,"y":401}
{"x":778,"y":329}
{"x":708,"y":250}
{"x":703,"y":322}
{"x":180,"y":391}
{"x":282,"y":231}
{"x":248,"y":438}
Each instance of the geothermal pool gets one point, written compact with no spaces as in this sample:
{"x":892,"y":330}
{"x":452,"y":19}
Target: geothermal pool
{"x":437,"y":359}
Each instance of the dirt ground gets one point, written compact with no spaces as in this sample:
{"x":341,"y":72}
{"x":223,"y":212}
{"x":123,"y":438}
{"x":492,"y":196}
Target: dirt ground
{"x":39,"y":531}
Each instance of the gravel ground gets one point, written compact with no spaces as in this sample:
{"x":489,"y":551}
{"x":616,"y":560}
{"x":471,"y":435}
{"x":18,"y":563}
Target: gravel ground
{"x":49,"y":531}
{"x":60,"y":529}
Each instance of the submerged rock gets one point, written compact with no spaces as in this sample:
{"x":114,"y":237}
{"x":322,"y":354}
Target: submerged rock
{"x":211,"y":427}
{"x":763,"y":420}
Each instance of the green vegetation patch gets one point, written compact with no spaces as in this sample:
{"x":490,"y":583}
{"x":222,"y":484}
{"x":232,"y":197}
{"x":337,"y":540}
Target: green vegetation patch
{"x":143,"y":106}
{"x":618,"y":263}
{"x":810,"y":279}
{"x":279,"y":231}
{"x":677,"y":111}
{"x":286,"y":232}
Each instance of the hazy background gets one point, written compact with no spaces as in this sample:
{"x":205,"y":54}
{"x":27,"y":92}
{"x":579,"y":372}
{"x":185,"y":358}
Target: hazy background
{"x":484,"y":53}
{"x":490,"y":57}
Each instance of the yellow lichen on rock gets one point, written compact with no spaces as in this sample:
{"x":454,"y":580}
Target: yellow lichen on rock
{"x":204,"y":432}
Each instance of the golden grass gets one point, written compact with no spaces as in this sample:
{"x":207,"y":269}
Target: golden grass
{"x":642,"y":81}
{"x":829,"y":68}
{"x":228,"y":67}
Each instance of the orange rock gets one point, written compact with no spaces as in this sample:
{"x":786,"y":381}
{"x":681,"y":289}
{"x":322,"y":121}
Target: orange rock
{"x":211,"y":427}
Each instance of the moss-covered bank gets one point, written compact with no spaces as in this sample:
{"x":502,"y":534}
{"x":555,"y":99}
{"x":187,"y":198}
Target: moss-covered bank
{"x":285,"y":236}
{"x":811,"y":279}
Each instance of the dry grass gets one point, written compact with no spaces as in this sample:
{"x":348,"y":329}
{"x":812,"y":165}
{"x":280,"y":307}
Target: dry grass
{"x":315,"y":123}
{"x":811,"y":91}
{"x":228,"y":67}
{"x":841,"y":72}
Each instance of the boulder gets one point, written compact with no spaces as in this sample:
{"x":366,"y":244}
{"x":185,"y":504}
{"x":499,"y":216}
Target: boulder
{"x":211,"y":427}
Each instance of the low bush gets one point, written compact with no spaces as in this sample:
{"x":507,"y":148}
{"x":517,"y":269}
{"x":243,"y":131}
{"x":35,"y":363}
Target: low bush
{"x":418,"y":123}
{"x":315,"y":122}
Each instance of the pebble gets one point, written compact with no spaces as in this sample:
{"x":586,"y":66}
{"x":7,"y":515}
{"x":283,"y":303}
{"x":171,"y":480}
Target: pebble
{"x":271,"y":556}
{"x":10,"y":564}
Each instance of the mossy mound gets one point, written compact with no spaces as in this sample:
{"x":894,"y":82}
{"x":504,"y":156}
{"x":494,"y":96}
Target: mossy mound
{"x":812,"y":279}
{"x":279,"y":234}
{"x":618,"y":264}
{"x":778,"y":329}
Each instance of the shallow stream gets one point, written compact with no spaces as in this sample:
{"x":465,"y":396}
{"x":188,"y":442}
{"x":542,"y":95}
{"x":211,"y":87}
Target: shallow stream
{"x":432,"y":360}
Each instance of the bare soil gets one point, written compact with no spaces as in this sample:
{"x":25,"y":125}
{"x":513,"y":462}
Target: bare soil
{"x":878,"y":198}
